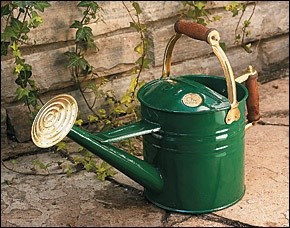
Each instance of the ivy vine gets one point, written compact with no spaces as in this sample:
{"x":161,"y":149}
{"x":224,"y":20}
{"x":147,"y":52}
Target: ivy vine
{"x":21,"y":17}
{"x":235,"y":8}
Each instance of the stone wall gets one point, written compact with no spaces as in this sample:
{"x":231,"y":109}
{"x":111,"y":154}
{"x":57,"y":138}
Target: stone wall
{"x":116,"y":41}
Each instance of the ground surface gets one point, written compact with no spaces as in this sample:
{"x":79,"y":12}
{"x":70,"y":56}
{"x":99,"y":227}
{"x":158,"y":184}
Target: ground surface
{"x":81,"y":200}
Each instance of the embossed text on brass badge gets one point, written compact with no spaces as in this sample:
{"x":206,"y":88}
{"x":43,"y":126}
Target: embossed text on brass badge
{"x":192,"y":99}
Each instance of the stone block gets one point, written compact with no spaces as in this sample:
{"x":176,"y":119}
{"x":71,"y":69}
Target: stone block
{"x":116,"y":54}
{"x":20,"y":121}
{"x":260,"y":28}
{"x":219,"y":4}
{"x":49,"y":71}
{"x":184,"y":49}
{"x":56,"y":23}
{"x":265,"y":22}
{"x":209,"y":65}
{"x":271,"y":19}
{"x":8,"y":85}
{"x":115,"y":51}
{"x":62,"y":14}
{"x":4,"y":139}
{"x":158,"y":10}
{"x":275,"y":50}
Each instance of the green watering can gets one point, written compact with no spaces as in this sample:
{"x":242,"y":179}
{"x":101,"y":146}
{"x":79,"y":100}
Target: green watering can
{"x":193,"y":129}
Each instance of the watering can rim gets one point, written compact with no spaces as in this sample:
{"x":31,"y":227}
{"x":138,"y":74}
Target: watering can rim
{"x":147,"y":86}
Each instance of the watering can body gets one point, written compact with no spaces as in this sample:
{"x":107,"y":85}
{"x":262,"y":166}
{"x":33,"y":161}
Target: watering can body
{"x":193,"y":129}
{"x":200,"y":158}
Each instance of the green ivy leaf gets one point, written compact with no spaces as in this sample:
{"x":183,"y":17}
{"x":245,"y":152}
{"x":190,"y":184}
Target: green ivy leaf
{"x":238,"y":36}
{"x":78,"y":160}
{"x":216,"y":18}
{"x":247,"y":23}
{"x":18,"y":68}
{"x":24,"y":37}
{"x":40,"y":164}
{"x":135,"y":26}
{"x":93,"y":118}
{"x":104,"y":170}
{"x":137,"y":8}
{"x":35,"y":20}
{"x":201,"y":21}
{"x":21,"y":81}
{"x":14,"y":46}
{"x":199,"y":5}
{"x":91,"y":165}
{"x":61,"y":146}
{"x":22,"y":4}
{"x":69,"y":170}
{"x":76,"y":61}
{"x":84,"y":4}
{"x":21,"y":93}
{"x":13,"y":161}
{"x":83,"y":33}
{"x":126,"y":99}
{"x":90,"y":4}
{"x":4,"y":47}
{"x":234,"y":8}
{"x":5,"y":10}
{"x":25,"y":74}
{"x":146,"y":62}
{"x":243,"y":6}
{"x":119,"y":110}
{"x":248,"y":48}
{"x":33,"y":97}
{"x":16,"y":53}
{"x":15,"y":30}
{"x":31,"y":83}
{"x":139,"y":48}
{"x":102,"y":112}
{"x":133,"y":84}
{"x":190,"y":3}
{"x":41,"y":5}
{"x":95,"y":88}
{"x":19,"y":27}
{"x":79,"y":122}
{"x":223,"y":46}
{"x":9,"y":34}
{"x":76,"y":24}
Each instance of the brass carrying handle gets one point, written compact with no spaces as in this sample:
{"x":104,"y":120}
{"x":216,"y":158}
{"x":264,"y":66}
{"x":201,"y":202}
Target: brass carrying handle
{"x":211,"y":36}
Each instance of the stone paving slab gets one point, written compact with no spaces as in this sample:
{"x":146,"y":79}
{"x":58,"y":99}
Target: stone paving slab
{"x":266,"y":201}
{"x":81,"y":200}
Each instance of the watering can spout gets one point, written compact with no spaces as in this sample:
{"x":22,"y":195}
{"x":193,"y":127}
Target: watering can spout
{"x":55,"y":120}
{"x":138,"y":170}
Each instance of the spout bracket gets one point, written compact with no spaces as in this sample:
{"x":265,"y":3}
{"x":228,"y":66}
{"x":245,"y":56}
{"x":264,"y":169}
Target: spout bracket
{"x":128,"y":131}
{"x":244,"y":77}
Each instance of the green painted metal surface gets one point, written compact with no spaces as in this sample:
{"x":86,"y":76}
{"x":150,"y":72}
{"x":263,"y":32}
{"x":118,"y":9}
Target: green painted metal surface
{"x":167,"y":95}
{"x":140,"y":171}
{"x":200,"y":157}
{"x":193,"y":161}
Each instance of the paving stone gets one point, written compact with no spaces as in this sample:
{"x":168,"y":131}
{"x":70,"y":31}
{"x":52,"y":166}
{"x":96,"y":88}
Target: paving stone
{"x":266,"y":201}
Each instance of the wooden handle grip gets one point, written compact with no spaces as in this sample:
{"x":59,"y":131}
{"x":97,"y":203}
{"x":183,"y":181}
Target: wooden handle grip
{"x":192,"y":29}
{"x":253,"y":98}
